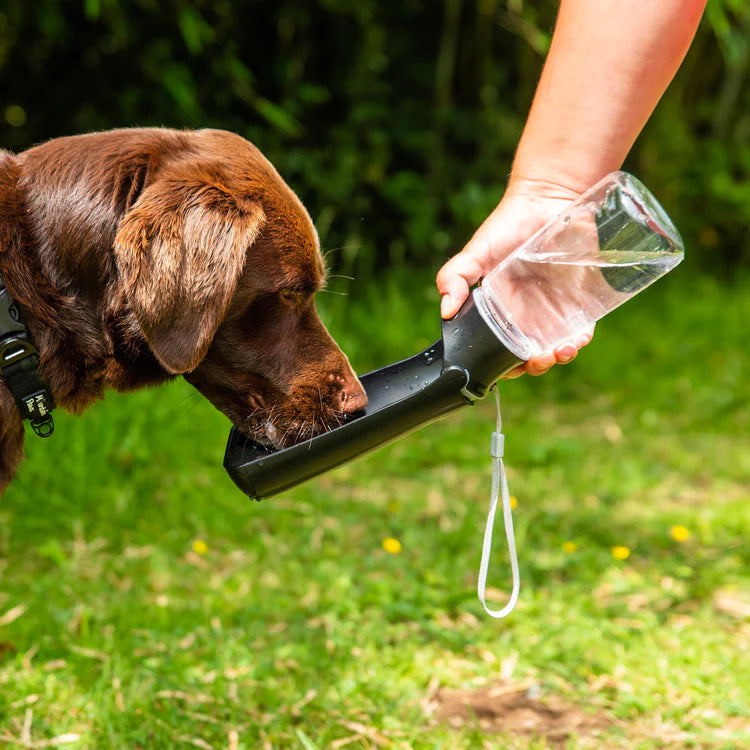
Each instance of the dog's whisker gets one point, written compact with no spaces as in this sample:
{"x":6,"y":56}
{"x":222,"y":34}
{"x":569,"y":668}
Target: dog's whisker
{"x":180,"y":412}
{"x":188,"y":400}
{"x":282,"y":439}
{"x":332,"y":250}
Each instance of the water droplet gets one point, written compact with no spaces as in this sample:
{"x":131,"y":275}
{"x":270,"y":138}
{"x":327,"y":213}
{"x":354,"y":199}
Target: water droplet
{"x":566,"y":219}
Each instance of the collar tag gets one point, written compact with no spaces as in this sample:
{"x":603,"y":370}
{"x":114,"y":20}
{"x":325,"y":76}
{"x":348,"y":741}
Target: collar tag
{"x":37,"y":405}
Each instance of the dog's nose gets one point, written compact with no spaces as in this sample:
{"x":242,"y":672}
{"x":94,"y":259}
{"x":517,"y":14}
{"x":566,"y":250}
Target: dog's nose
{"x":352,"y":398}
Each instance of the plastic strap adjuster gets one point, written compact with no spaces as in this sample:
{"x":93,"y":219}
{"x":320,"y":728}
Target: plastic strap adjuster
{"x":497,"y":445}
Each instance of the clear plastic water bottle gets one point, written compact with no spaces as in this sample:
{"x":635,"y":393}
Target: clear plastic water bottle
{"x":610,"y":243}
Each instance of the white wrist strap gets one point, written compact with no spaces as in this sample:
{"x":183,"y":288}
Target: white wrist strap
{"x":499,"y":482}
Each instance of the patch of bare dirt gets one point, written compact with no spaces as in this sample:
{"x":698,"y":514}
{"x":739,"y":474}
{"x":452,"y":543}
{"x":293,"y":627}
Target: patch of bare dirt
{"x":504,"y":707}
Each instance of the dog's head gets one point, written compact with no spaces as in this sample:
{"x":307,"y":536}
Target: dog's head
{"x":220,"y":264}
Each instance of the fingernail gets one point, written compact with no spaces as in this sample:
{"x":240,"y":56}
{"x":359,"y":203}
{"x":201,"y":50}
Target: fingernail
{"x":445,"y":304}
{"x":566,"y":353}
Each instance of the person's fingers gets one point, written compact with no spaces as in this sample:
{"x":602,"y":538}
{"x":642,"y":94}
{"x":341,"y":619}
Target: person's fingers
{"x":516,"y":372}
{"x":540,"y":364}
{"x":454,"y":280}
{"x":585,"y":338}
{"x":561,"y":355}
{"x":565,"y":353}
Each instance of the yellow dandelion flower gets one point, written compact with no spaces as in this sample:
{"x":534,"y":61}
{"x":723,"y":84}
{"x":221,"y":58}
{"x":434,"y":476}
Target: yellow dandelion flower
{"x":679,"y":533}
{"x":569,"y":547}
{"x":513,"y":502}
{"x":391,"y":546}
{"x":200,"y":547}
{"x":620,"y":553}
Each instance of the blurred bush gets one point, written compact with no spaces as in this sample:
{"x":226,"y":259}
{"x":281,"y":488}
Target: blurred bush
{"x":395,"y":122}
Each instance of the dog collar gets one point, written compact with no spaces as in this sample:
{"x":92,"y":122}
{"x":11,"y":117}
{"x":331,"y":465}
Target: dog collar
{"x":19,"y":360}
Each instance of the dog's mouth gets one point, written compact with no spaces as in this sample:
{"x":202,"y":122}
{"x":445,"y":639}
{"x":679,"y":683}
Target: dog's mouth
{"x":276,"y":434}
{"x":275,"y":419}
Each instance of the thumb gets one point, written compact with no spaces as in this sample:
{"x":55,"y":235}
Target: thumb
{"x":454,"y":280}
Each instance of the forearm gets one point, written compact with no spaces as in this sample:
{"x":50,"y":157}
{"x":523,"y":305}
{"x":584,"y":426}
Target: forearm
{"x":609,"y":63}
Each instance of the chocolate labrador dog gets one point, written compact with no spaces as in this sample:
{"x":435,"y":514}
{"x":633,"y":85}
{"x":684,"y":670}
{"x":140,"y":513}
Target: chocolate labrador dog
{"x":137,"y":255}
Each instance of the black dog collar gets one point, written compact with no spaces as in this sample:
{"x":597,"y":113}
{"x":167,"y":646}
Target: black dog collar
{"x":19,"y":359}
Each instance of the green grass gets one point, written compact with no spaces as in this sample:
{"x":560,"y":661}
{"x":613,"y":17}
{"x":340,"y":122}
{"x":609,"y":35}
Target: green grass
{"x":295,"y":629}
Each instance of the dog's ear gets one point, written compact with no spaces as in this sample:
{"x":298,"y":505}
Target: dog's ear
{"x":179,"y":252}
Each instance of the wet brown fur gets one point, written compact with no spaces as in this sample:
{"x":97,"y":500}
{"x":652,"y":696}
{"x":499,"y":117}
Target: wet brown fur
{"x":136,"y":255}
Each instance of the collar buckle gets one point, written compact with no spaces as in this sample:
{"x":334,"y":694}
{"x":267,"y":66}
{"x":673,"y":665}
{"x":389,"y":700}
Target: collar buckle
{"x":13,"y":349}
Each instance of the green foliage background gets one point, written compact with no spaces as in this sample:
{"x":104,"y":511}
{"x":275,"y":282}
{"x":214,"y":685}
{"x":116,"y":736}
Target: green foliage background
{"x":395,"y":121}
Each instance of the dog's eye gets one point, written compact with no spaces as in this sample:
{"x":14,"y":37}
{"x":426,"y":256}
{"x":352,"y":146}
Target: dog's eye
{"x":291,"y":296}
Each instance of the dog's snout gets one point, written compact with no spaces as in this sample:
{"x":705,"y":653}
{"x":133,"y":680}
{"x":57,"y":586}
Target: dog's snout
{"x":352,"y":397}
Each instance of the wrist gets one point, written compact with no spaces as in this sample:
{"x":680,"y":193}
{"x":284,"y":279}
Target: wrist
{"x":545,"y":184}
{"x":543,"y":194}
{"x":558,"y":165}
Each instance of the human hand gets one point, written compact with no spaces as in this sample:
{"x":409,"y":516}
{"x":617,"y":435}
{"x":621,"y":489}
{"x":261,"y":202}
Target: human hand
{"x":526,"y":207}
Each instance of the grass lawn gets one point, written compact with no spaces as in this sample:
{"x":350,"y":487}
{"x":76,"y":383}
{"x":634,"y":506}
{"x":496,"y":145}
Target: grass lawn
{"x":146,"y":603}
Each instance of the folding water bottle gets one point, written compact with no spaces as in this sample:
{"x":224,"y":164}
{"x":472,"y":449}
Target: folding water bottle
{"x":610,"y":243}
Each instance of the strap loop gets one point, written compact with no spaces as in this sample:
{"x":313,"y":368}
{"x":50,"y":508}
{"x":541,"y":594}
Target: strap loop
{"x":43,"y":427}
{"x":499,"y":486}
